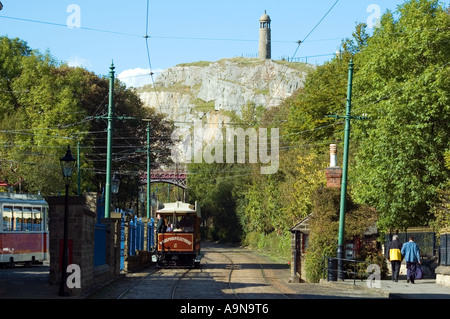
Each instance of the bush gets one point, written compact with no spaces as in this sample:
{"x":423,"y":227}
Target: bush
{"x":324,"y":224}
{"x":272,"y":244}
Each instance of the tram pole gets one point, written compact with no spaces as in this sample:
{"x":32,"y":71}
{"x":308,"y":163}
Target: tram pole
{"x":110,"y":117}
{"x":147,"y":150}
{"x":78,"y":168}
{"x":110,"y":129}
{"x":340,"y":249}
{"x":149,"y":176}
{"x":342,"y":207}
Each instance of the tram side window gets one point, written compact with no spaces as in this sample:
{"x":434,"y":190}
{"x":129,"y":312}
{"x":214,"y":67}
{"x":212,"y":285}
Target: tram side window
{"x":36,"y":223}
{"x":31,"y":219}
{"x":18,"y":219}
{"x":23,"y":218}
{"x":7,"y":218}
{"x":27,"y":219}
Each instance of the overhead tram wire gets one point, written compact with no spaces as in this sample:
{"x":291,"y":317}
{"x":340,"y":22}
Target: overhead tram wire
{"x":65,"y":26}
{"x":146,"y":37}
{"x":198,"y":38}
{"x":300,"y":42}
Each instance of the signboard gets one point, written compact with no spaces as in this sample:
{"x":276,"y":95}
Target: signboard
{"x":175,"y":242}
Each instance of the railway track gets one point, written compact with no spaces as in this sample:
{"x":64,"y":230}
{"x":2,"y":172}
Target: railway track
{"x":224,"y":273}
{"x":239,"y":266}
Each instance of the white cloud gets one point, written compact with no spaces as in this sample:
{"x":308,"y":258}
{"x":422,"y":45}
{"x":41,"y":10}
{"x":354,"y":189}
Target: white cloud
{"x":137,"y":77}
{"x":76,"y":61}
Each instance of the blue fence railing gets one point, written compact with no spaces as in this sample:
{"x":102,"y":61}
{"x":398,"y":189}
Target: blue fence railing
{"x":136,"y":236}
{"x":122,"y":243}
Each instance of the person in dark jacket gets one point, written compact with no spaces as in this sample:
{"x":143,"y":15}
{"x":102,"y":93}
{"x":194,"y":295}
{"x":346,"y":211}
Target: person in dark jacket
{"x":161,"y":226}
{"x":411,"y":252}
{"x":395,"y":256}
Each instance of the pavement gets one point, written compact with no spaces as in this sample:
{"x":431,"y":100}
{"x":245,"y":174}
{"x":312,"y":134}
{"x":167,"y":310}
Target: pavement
{"x":421,"y":289}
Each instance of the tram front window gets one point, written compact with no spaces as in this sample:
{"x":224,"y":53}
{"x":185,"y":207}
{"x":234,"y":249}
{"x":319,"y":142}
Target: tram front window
{"x":180,"y":223}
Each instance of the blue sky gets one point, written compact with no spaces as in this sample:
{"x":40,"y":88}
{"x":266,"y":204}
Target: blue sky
{"x":180,"y":31}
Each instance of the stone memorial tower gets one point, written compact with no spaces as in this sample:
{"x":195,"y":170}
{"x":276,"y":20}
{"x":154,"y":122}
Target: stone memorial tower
{"x":264,"y":37}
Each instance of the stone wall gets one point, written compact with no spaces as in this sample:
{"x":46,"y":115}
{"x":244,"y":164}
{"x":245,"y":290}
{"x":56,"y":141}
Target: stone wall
{"x":443,"y":275}
{"x":81,"y":222}
{"x":81,"y":229}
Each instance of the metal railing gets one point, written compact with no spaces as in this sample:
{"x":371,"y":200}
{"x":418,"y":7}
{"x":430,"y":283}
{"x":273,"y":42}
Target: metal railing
{"x":351,"y":268}
{"x":136,"y":237}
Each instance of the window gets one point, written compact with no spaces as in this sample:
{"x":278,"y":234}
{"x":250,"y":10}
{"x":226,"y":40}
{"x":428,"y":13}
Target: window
{"x":18,"y":218}
{"x":37,"y":221}
{"x":179,"y":223}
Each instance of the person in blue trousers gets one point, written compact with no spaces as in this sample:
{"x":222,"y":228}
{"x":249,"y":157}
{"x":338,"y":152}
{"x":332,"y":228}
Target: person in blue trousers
{"x":411,"y":253}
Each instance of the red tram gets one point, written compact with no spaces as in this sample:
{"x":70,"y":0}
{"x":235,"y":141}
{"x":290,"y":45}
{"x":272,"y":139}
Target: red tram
{"x":24,"y":228}
{"x":179,"y":245}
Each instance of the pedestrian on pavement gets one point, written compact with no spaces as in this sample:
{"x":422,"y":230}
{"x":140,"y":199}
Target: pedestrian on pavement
{"x":411,"y":252}
{"x":395,"y":257}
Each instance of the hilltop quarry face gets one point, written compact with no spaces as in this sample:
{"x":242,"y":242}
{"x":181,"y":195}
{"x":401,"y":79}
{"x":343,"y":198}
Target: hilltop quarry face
{"x":213,"y":91}
{"x":200,"y":97}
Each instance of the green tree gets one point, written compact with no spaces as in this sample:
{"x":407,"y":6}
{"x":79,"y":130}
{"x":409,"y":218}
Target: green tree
{"x":402,"y":85}
{"x":45,"y":106}
{"x":324,"y":93}
{"x":214,"y":187}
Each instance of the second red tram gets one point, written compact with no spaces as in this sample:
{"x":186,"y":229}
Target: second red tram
{"x":24,"y":228}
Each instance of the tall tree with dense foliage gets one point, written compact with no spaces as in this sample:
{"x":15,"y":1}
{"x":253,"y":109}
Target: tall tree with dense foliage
{"x":46,"y":105}
{"x":402,"y":85}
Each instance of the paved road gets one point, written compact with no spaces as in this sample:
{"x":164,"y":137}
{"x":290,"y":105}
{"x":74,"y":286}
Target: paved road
{"x":226,"y":273}
{"x":22,"y":282}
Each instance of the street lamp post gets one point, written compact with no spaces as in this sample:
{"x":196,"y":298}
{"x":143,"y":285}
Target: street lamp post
{"x":67,"y":166}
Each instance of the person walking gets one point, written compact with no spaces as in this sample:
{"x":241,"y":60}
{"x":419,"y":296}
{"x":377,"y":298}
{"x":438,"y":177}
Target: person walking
{"x":395,"y":257}
{"x":411,"y":252}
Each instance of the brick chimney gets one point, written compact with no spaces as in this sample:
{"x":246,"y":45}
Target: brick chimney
{"x":333,"y":172}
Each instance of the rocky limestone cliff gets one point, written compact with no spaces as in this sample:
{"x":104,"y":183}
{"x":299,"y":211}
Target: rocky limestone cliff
{"x":216,"y":90}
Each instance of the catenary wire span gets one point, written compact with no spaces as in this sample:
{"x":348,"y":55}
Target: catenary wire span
{"x":300,"y":42}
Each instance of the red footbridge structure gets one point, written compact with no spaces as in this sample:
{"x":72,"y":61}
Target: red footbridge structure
{"x":176,"y":178}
